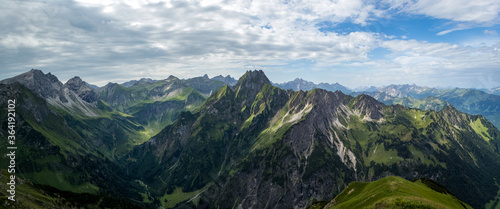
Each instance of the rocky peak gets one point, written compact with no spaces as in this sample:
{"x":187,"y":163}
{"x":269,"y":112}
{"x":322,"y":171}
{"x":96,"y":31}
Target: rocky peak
{"x":253,"y":80}
{"x":171,"y":77}
{"x":250,"y":84}
{"x":75,"y":83}
{"x":452,"y":115}
{"x":84,"y":91}
{"x":46,"y":85}
{"x":369,"y":106}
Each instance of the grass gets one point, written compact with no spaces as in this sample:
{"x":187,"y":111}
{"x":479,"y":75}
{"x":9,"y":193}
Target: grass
{"x":61,"y":180}
{"x":378,"y":154}
{"x":178,"y":196}
{"x":393,"y":192}
{"x":278,"y":127}
{"x":480,"y":129}
{"x":495,"y":203}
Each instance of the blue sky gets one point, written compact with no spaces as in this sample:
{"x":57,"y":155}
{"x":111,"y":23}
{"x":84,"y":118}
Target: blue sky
{"x":352,"y":42}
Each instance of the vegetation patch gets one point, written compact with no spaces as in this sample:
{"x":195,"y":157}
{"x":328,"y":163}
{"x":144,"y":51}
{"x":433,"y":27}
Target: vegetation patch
{"x":393,"y":192}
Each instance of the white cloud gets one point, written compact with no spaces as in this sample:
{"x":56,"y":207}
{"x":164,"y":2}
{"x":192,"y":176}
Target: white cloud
{"x":123,"y":40}
{"x":490,"y":32}
{"x":170,"y":34}
{"x":464,"y":14}
{"x":479,"y":11}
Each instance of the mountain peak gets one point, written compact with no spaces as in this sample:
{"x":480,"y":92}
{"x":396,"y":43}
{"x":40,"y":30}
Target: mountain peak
{"x":250,"y":84}
{"x":369,"y":106}
{"x":253,"y":80}
{"x":228,"y":79}
{"x":46,"y":85}
{"x":84,"y":91}
{"x":74,"y":80}
{"x":171,"y":77}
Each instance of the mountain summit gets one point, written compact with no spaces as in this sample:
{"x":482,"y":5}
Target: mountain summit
{"x":46,"y":85}
{"x":82,"y":89}
{"x":252,"y":80}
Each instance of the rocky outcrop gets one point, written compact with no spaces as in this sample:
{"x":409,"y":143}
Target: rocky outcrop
{"x":81,"y":88}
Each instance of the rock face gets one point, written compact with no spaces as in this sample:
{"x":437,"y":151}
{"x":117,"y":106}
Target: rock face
{"x":258,"y":146}
{"x":46,"y":85}
{"x":75,"y":96}
{"x":81,"y":89}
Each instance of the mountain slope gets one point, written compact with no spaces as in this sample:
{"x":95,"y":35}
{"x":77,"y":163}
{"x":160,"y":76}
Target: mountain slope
{"x":29,"y":195}
{"x":153,"y":104}
{"x":395,"y":192}
{"x":52,"y":152}
{"x":255,"y":145}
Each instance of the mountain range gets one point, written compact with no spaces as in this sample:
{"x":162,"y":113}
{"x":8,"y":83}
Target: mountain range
{"x":199,"y":143}
{"x":472,"y":101}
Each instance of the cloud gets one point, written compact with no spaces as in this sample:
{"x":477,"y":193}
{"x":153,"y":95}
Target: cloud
{"x":112,"y":40}
{"x":142,"y":35}
{"x":490,"y":32}
{"x":480,"y":11}
{"x":463,"y":14}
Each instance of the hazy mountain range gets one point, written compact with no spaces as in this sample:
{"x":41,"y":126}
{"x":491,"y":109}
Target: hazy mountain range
{"x":222,"y":143}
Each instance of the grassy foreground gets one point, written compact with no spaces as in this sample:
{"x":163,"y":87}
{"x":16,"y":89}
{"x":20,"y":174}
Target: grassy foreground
{"x":394,"y":192}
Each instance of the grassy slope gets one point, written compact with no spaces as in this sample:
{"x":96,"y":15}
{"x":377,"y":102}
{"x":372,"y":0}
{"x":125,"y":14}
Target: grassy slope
{"x":29,"y":195}
{"x":393,"y":192}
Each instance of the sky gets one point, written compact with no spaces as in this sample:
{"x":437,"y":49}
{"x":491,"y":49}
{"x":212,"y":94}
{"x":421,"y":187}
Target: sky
{"x":435,"y":43}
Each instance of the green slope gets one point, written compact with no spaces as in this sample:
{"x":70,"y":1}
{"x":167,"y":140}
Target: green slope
{"x":153,"y":105}
{"x":35,"y":196}
{"x":395,"y":192}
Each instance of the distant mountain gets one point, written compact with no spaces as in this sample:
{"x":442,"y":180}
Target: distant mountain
{"x":366,"y":89}
{"x":227,"y":80}
{"x":262,"y":146}
{"x":300,"y":84}
{"x":75,"y":97}
{"x":495,"y":91}
{"x":470,"y":101}
{"x":140,"y":81}
{"x":407,"y":90}
{"x":204,"y":85}
{"x":394,"y":192}
{"x":91,"y":85}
